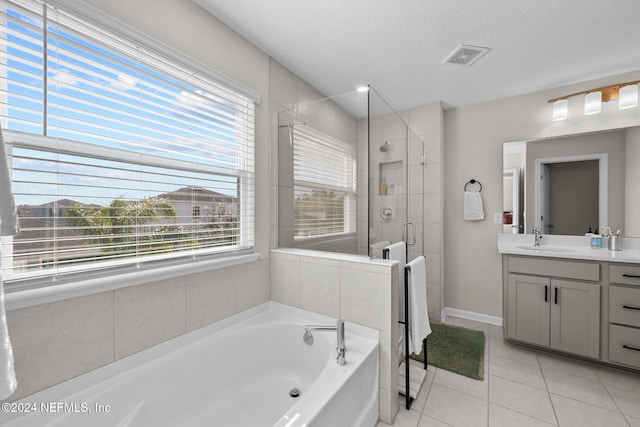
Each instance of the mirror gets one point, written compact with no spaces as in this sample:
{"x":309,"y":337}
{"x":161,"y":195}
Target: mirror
{"x":566,"y":185}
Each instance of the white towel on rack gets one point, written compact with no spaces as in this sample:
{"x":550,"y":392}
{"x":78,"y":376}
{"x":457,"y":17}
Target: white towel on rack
{"x":473,"y":209}
{"x":398,"y":252}
{"x":8,"y":227}
{"x":375,"y":249}
{"x":419,"y":326}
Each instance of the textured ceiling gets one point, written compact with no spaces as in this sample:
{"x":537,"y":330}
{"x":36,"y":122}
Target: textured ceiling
{"x":398,"y":46}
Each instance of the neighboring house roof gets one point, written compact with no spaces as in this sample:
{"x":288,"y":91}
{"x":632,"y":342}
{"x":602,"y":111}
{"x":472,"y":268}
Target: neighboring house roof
{"x":190,"y":192}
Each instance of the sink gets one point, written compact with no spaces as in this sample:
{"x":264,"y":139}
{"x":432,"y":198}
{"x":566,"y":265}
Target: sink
{"x":544,"y":248}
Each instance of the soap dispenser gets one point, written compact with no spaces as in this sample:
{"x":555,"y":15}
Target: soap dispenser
{"x":596,"y":240}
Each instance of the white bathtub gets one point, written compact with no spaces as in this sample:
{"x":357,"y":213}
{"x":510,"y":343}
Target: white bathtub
{"x":236,"y":373}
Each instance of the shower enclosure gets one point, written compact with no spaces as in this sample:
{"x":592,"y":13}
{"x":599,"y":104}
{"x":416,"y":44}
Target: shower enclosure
{"x":351,"y":176}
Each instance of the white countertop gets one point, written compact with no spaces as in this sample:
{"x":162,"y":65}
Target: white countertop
{"x":568,"y":247}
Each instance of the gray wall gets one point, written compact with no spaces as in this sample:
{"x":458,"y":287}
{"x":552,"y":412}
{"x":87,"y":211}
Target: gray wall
{"x":632,"y":179}
{"x":473,"y":149}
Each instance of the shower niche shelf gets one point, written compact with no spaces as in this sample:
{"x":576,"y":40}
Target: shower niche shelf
{"x":391,"y":174}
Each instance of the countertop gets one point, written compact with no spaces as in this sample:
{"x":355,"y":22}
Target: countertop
{"x":568,"y":247}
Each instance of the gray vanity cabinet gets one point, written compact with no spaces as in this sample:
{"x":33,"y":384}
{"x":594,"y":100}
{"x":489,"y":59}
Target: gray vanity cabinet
{"x":575,"y":317}
{"x":528,"y":309}
{"x":555,"y":304}
{"x":624,"y":315}
{"x":561,"y":314}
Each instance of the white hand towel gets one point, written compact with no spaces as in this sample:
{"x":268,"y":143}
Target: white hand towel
{"x":8,"y":227}
{"x":473,"y":209}
{"x":398,"y":252}
{"x":419,"y":326}
{"x":375,"y":249}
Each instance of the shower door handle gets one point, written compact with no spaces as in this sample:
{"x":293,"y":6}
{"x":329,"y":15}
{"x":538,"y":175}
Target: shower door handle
{"x":405,"y":233}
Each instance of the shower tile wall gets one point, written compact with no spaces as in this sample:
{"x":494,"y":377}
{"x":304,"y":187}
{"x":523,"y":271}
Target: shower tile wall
{"x":425,"y":188}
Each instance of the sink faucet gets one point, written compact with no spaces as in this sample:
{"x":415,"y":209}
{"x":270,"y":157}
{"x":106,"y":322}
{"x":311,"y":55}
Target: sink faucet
{"x":537,"y":236}
{"x":339,"y":328}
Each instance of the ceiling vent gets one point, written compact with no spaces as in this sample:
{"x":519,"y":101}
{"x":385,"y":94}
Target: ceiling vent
{"x":466,"y":55}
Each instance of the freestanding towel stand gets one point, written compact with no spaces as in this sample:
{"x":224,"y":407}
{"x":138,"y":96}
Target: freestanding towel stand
{"x":405,"y":322}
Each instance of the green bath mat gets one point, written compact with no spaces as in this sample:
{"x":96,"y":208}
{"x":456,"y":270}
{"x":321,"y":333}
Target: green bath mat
{"x":455,"y":349}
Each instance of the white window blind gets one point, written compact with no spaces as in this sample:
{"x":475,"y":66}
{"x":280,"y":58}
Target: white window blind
{"x":115,"y":147}
{"x":324,"y":171}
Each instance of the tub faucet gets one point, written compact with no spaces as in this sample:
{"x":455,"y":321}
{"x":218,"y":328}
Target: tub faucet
{"x":537,"y":236}
{"x":339,"y":328}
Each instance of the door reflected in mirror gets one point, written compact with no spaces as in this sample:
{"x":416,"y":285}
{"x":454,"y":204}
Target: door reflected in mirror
{"x":568,"y":184}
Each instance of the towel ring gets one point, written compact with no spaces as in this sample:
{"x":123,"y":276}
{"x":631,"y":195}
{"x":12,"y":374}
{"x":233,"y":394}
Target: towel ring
{"x":473,"y":181}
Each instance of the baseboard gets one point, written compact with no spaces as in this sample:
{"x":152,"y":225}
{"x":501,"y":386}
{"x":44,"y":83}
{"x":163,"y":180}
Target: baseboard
{"x":470,"y":315}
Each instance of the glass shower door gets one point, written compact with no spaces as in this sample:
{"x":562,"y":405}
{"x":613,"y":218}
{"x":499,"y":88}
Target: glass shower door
{"x":396,"y":180}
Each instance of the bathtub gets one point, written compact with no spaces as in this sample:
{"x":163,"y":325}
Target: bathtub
{"x":238,"y":372}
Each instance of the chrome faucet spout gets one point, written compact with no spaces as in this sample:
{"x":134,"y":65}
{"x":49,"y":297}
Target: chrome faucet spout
{"x":537,"y":236}
{"x":340,"y":346}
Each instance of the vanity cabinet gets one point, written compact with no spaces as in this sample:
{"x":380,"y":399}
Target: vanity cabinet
{"x":624,"y":315}
{"x":560,"y":314}
{"x":555,"y":304}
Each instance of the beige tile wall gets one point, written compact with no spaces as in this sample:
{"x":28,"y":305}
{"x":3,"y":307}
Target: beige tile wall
{"x":60,"y":340}
{"x":363,"y":292}
{"x":426,"y":195}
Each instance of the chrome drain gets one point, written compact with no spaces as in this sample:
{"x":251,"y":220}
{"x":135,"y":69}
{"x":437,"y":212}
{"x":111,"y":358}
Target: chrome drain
{"x":294,"y":392}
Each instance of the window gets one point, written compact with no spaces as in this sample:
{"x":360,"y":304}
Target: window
{"x":324,"y":174}
{"x":120,"y":155}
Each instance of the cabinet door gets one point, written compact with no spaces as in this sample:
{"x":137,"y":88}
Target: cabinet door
{"x":528,"y":308}
{"x":575,"y":317}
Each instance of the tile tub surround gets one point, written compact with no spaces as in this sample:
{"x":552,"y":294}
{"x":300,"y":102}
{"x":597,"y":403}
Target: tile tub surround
{"x":353,"y":288}
{"x":56,"y":341}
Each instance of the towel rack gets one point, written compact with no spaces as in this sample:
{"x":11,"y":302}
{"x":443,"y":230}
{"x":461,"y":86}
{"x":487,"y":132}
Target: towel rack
{"x":473,"y":181}
{"x":405,"y":322}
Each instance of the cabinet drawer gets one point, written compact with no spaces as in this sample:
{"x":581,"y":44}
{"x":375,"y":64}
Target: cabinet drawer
{"x":555,"y":268}
{"x":624,"y":305}
{"x":624,"y":345}
{"x":625,"y":274}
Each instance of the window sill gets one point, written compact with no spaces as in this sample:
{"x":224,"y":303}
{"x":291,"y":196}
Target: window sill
{"x":42,"y":295}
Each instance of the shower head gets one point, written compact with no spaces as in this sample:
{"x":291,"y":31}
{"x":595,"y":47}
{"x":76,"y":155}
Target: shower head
{"x":385,"y":147}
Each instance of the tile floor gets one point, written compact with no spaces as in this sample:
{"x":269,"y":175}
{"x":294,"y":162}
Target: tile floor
{"x":524,"y":388}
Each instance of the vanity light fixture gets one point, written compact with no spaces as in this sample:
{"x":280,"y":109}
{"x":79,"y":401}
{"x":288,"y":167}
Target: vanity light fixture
{"x":628,"y":96}
{"x":625,"y":93}
{"x":560,"y":109}
{"x":592,"y":103}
